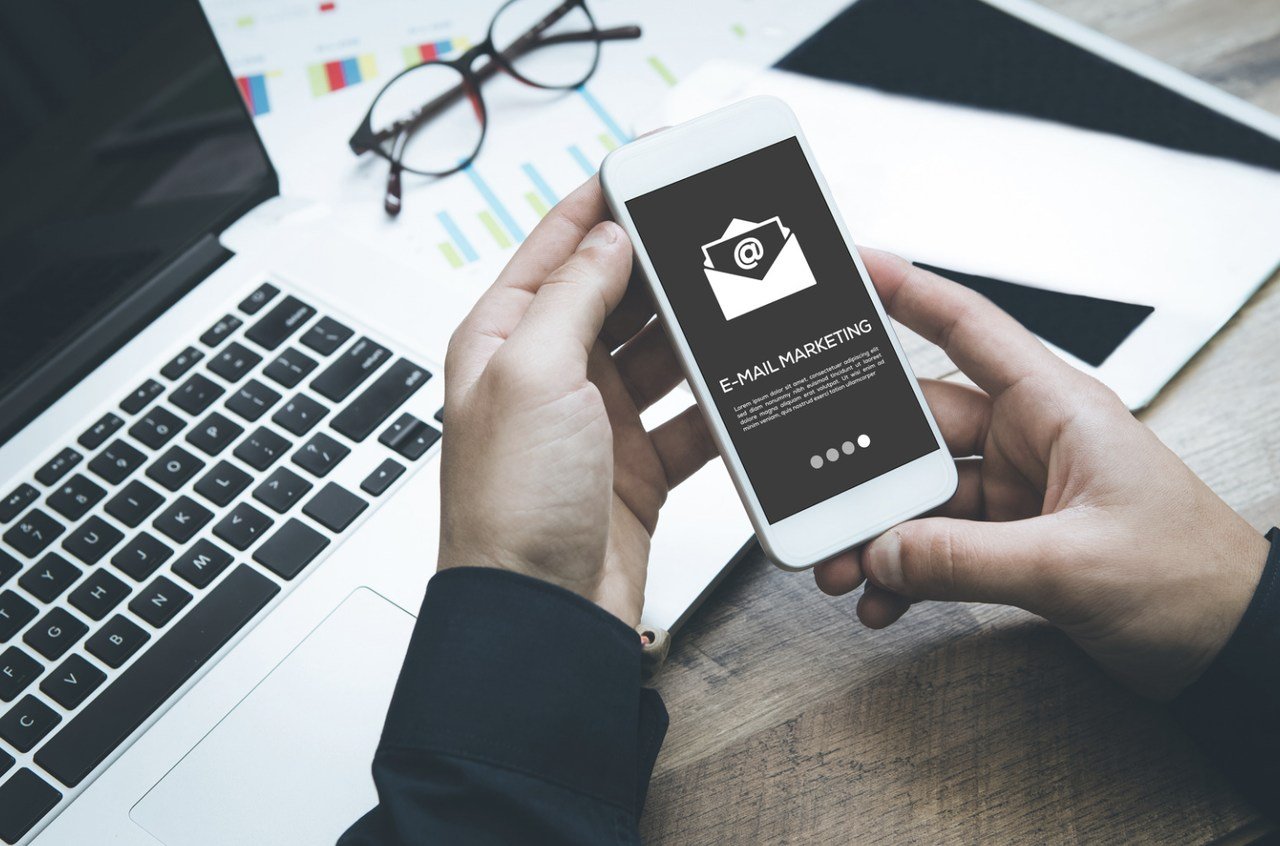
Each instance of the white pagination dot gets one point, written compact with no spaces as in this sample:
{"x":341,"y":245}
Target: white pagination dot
{"x":864,"y":441}
{"x":833,"y":454}
{"x":816,"y":462}
{"x":847,"y":447}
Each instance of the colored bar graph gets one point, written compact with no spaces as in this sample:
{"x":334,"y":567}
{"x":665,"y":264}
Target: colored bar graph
{"x":499,"y":237}
{"x":416,"y":54}
{"x":328,"y":77}
{"x":662,"y":70}
{"x":451,"y":254}
{"x":536,"y":203}
{"x":581,"y":158}
{"x":253,"y":89}
{"x":606,"y":141}
{"x":739,"y":30}
{"x":454,"y":233}
{"x":605,"y":118}
{"x":328,"y":7}
{"x":541,"y":184}
{"x":494,"y":203}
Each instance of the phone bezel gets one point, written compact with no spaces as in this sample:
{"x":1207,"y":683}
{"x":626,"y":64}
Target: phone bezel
{"x":846,"y":519}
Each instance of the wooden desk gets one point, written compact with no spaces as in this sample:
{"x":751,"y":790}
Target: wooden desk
{"x":791,"y":723}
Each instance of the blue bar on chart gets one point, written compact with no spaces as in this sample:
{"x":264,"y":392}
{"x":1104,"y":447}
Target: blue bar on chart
{"x":541,"y":184}
{"x":582,"y":160}
{"x":468,"y":252}
{"x":605,"y":118}
{"x":498,"y":208}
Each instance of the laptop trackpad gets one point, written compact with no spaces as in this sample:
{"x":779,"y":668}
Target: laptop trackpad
{"x":290,"y":764}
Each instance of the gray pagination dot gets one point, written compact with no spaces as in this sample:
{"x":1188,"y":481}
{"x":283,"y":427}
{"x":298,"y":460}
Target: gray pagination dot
{"x":816,"y":462}
{"x":864,"y":441}
{"x":847,"y":447}
{"x":833,"y":454}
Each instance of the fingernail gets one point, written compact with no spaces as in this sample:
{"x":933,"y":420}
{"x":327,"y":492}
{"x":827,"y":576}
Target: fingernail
{"x":602,"y":235}
{"x":884,"y":561}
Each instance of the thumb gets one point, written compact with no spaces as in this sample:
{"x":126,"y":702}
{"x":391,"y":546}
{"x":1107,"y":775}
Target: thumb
{"x":570,"y":306}
{"x":1011,"y":563}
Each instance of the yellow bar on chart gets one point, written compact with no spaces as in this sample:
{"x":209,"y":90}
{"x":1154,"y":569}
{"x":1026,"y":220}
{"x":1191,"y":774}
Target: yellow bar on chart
{"x":451,"y":254}
{"x":495,"y":230}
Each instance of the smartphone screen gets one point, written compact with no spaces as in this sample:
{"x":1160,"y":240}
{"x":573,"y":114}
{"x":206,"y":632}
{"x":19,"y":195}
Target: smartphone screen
{"x":782,"y":328}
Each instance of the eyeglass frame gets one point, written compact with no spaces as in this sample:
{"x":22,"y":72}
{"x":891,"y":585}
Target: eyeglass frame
{"x":366,"y":140}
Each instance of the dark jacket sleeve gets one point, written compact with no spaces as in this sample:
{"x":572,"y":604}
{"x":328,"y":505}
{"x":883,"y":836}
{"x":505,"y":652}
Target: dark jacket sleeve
{"x":518,"y":718}
{"x":1233,"y":710}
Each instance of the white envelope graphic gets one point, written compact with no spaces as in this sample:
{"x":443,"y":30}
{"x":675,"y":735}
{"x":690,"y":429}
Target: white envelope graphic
{"x":738,"y":295}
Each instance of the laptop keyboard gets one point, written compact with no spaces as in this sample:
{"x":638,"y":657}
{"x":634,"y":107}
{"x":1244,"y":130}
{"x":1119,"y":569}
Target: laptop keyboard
{"x":131,"y":557}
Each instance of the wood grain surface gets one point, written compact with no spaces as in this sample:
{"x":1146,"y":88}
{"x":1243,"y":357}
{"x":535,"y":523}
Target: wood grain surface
{"x":790,"y":723}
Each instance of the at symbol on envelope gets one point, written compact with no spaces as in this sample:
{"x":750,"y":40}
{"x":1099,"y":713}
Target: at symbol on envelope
{"x":754,"y":264}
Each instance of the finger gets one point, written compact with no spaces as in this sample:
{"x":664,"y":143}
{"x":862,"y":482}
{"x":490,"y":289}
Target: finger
{"x":631,"y":315}
{"x":841,"y":574}
{"x":1013,"y":563}
{"x":963,"y":414}
{"x":562,"y":324}
{"x":648,"y":366}
{"x":683,"y":445}
{"x":498,"y":311}
{"x":992,"y":348}
{"x":879,"y":608}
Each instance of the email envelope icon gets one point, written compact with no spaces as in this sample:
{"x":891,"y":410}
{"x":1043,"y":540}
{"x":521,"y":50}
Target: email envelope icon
{"x":754,"y":264}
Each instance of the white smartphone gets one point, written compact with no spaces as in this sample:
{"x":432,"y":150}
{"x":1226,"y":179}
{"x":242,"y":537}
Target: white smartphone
{"x":782,"y":337}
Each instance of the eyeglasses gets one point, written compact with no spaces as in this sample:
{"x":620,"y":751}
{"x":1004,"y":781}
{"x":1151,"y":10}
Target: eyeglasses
{"x":431,"y":120}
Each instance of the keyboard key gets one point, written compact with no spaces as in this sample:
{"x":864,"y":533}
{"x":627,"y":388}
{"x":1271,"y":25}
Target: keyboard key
{"x":291,"y":548}
{"x":145,"y":393}
{"x":49,"y":577}
{"x":127,"y":702}
{"x":182,"y":519}
{"x":279,"y":323}
{"x":299,"y":415}
{"x":252,"y":400}
{"x":202,"y":563}
{"x":234,"y":362}
{"x":156,"y":427}
{"x":141,"y":557}
{"x":58,"y":466}
{"x":116,"y":462}
{"x":196,"y":394}
{"x":75,"y":497}
{"x":33,"y":533}
{"x":281,"y":490}
{"x":290,"y":368}
{"x":72,"y":682}
{"x":220,"y":331}
{"x":399,"y":431}
{"x":17,"y":670}
{"x":387,"y":393}
{"x":15,"y":612}
{"x":410,"y":437}
{"x":214,"y":434}
{"x":6,"y":761}
{"x":181,"y":363}
{"x":98,"y":595}
{"x":326,"y":336}
{"x":9,"y":566}
{"x":27,"y":723}
{"x":133,"y":504}
{"x":261,"y":449}
{"x":173,"y":469}
{"x":159,"y":602}
{"x":334,"y":507}
{"x":116,"y":641}
{"x":92,"y":539}
{"x":255,"y":301}
{"x":97,"y":434}
{"x":377,"y":482}
{"x":439,"y":415}
{"x":320,"y":454}
{"x":223,"y":483}
{"x":243,"y":526}
{"x":56,"y":632}
{"x":353,"y":367}
{"x":24,"y":799}
{"x":22,"y":496}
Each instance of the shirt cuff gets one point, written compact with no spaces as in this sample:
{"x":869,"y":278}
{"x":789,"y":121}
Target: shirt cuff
{"x":521,"y":674}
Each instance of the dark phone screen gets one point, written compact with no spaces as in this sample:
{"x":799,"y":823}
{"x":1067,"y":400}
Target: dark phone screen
{"x":782,"y":328}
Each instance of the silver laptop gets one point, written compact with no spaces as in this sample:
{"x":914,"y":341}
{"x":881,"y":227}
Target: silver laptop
{"x":218,"y":480}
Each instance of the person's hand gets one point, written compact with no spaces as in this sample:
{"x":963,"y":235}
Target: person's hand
{"x":546,"y":469}
{"x":1073,"y":509}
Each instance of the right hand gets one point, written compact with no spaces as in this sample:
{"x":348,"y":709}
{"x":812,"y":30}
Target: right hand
{"x":1073,"y":509}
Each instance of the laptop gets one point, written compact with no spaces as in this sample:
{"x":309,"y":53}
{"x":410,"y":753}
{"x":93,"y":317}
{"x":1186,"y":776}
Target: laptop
{"x":219,"y":486}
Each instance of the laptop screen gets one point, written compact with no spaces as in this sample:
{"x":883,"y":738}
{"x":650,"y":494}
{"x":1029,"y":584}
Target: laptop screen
{"x":123,"y":141}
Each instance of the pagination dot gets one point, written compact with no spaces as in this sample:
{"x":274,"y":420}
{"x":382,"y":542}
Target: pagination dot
{"x":816,"y":462}
{"x":864,"y":441}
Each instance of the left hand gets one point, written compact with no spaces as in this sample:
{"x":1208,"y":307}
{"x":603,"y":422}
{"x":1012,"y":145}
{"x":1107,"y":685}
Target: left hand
{"x":546,"y":468}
